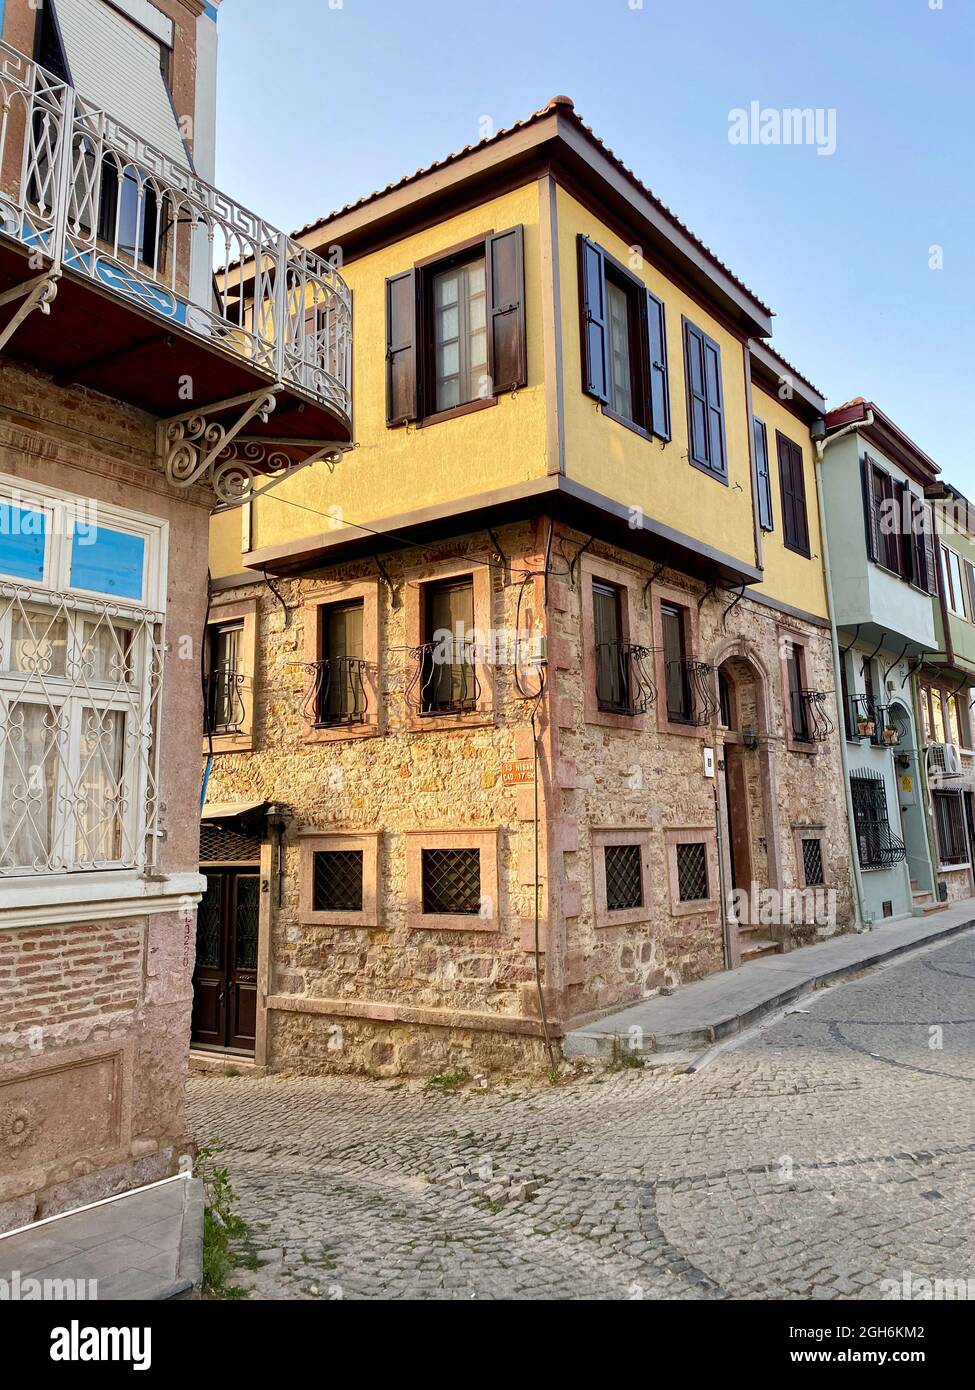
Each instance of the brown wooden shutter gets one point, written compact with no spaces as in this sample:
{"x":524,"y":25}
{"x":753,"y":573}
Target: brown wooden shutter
{"x":871,"y":518}
{"x":504,"y":255}
{"x":657,"y":356}
{"x":401,"y":383}
{"x":592,"y":304}
{"x":930,"y":552}
{"x":792,"y":482}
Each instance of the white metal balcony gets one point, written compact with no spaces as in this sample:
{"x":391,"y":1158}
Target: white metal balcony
{"x":86,"y":204}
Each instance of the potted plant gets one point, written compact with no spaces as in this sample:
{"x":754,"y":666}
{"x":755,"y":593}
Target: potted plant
{"x":891,"y":737}
{"x":866,"y":727}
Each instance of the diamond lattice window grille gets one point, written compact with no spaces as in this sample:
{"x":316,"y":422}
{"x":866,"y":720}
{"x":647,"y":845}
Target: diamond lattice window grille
{"x":624,"y":880}
{"x":337,"y":880}
{"x":692,"y":872}
{"x":452,"y":881}
{"x":80,"y":683}
{"x":221,"y":844}
{"x":812,"y":863}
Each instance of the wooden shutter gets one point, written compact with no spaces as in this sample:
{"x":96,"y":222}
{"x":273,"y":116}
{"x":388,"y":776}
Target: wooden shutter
{"x":401,"y":382}
{"x":715,"y":396}
{"x":795,"y":525}
{"x":871,"y":516}
{"x":930,"y":552}
{"x":659,"y":421}
{"x":763,"y":478}
{"x":592,"y":300}
{"x":504,"y":255}
{"x":697,"y":397}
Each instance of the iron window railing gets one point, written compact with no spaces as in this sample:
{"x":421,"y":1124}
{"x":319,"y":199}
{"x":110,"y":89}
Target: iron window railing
{"x":337,"y":880}
{"x":452,"y":882}
{"x":690,"y":691}
{"x":949,"y":820}
{"x":810,"y":722}
{"x":692,"y":872}
{"x":223,"y":701}
{"x":624,"y":877}
{"x":812,"y":863}
{"x":877,"y":846}
{"x":63,"y":166}
{"x":872,"y":721}
{"x":623,"y":681}
{"x":338,"y":692}
{"x":444,"y":679}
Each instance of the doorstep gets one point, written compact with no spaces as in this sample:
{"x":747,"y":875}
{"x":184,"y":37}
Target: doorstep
{"x":145,"y":1245}
{"x":210,"y":1060}
{"x":698,"y":1014}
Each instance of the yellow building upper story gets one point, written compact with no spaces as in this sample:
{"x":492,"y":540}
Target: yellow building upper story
{"x":534,"y":332}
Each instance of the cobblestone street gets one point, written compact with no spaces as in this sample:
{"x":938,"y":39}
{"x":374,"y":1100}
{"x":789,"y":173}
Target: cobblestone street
{"x":826,"y":1153}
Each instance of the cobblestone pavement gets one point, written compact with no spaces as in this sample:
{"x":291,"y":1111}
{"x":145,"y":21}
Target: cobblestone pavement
{"x":830,"y":1151}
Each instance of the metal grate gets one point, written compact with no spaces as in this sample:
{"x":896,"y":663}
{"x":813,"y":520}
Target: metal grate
{"x":812,"y":863}
{"x":452,"y":881}
{"x":877,"y":846}
{"x":624,"y":881}
{"x":692,"y":872}
{"x":337,"y":885}
{"x":226,"y":845}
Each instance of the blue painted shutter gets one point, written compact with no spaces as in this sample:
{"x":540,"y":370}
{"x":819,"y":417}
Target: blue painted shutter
{"x":763,"y":480}
{"x":712,"y":381}
{"x":697,"y":396}
{"x":592,"y":285}
{"x":659,"y":384}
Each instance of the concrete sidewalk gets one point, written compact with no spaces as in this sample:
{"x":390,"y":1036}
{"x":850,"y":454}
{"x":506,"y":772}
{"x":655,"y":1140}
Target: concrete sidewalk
{"x":723,"y":1004}
{"x":147,"y":1245}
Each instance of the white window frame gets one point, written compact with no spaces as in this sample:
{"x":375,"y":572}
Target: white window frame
{"x":955,"y":583}
{"x":78,"y":690}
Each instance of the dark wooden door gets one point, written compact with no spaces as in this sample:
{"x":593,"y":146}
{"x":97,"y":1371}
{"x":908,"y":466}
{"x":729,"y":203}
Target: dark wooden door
{"x":225,"y":977}
{"x":738,"y":837}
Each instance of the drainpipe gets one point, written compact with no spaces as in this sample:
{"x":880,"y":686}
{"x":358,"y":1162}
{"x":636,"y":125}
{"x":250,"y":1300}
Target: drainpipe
{"x":821,"y":446}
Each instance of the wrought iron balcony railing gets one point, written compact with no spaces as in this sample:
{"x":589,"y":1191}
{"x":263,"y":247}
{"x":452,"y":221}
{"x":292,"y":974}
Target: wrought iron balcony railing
{"x":623,"y":681}
{"x":224,"y":710}
{"x":95,"y":199}
{"x":338,"y":692}
{"x":690,"y":692}
{"x":878,"y":847}
{"x":444,"y":679}
{"x":810,"y":722}
{"x":873,"y":722}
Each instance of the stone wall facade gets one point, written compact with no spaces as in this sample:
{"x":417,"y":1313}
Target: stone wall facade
{"x":95,"y":1001}
{"x":390,"y":993}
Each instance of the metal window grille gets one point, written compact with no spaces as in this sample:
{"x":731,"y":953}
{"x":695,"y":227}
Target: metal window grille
{"x":337,"y":882}
{"x":452,"y":881}
{"x":812,"y":863}
{"x":624,"y":879}
{"x":692,"y":872}
{"x":80,"y":682}
{"x":949,"y":819}
{"x":224,"y":845}
{"x":877,"y":846}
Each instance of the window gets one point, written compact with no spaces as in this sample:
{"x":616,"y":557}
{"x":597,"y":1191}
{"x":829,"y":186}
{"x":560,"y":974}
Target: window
{"x":337,"y":880}
{"x":612,"y":674}
{"x":877,"y":846}
{"x":455,"y":329}
{"x":447,"y":673}
{"x":763,"y":479}
{"x":680,"y":703}
{"x":845,"y":692}
{"x":342,"y":685}
{"x":224,"y":706}
{"x":792,"y":489}
{"x":624,"y":877}
{"x":798,"y":711}
{"x":812,"y":863}
{"x":692,"y":872}
{"x":705,"y":402}
{"x":451,"y":882}
{"x":80,"y":667}
{"x":959,"y":580}
{"x":949,"y":820}
{"x":128,"y":215}
{"x":945,"y":716}
{"x":899,"y":528}
{"x":624,"y":342}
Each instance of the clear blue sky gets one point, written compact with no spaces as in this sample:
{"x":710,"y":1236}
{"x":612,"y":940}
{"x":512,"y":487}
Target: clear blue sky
{"x":319,"y":105}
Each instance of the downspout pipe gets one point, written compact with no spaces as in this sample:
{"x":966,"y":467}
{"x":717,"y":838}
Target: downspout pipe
{"x":821,"y":446}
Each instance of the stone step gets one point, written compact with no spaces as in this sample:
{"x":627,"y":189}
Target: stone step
{"x":934,"y":907}
{"x":921,"y":896}
{"x":753,"y":947}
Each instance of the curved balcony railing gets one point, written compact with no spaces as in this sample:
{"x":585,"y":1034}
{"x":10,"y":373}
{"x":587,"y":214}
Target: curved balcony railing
{"x":623,"y":681}
{"x":338,"y":692}
{"x":690,"y":691}
{"x":224,"y":710}
{"x":98,"y":200}
{"x":444,"y":679}
{"x":810,"y":721}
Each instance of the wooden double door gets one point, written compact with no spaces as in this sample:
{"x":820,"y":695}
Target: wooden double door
{"x":225,"y":977}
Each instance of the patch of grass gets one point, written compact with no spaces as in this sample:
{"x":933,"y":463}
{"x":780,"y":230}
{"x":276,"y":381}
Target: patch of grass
{"x":447,"y":1080}
{"x":223,"y":1229}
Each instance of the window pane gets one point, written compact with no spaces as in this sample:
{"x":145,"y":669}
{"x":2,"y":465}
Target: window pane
{"x":447,"y":680}
{"x":108,"y":562}
{"x":451,"y":881}
{"x":460,"y":336}
{"x":106,"y":654}
{"x":39,"y":641}
{"x":620,"y":379}
{"x":23,"y":534}
{"x":99,"y":794}
{"x":337,"y":880}
{"x":30,"y":762}
{"x":343,"y":689}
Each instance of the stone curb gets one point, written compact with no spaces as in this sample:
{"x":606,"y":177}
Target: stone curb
{"x":187,"y":1286}
{"x":583,"y":1043}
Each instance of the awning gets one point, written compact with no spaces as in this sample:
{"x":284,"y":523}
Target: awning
{"x":232,"y":810}
{"x":116,"y":66}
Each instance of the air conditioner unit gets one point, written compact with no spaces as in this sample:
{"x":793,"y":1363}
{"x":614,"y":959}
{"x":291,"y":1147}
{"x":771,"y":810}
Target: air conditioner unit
{"x":943,"y":760}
